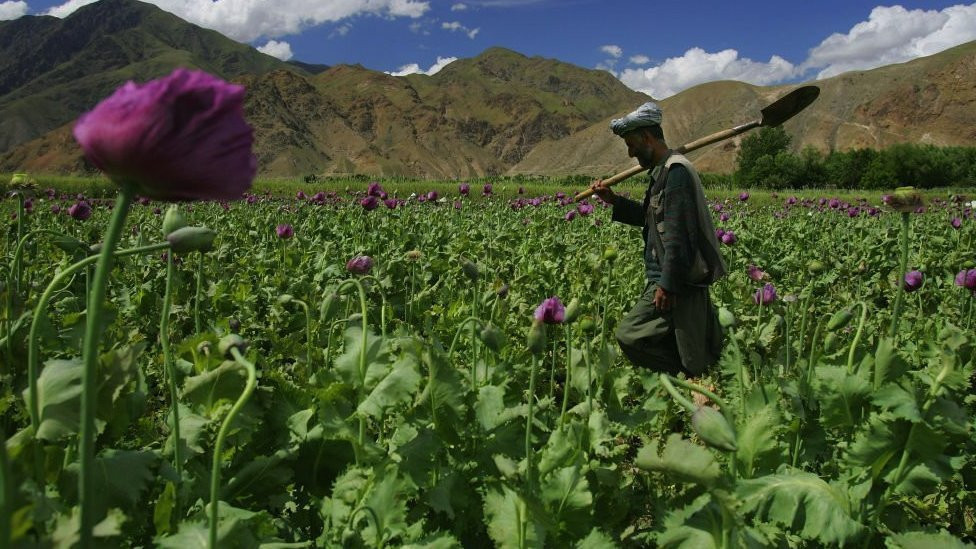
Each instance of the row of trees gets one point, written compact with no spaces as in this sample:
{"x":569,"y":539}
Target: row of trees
{"x":765,"y":160}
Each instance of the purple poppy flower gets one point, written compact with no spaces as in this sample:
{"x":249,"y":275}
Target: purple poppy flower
{"x":560,"y":195}
{"x":143,"y":200}
{"x":55,"y":209}
{"x":180,"y":137}
{"x":729,"y":238}
{"x":913,"y":280}
{"x":724,"y":217}
{"x":391,"y":203}
{"x":285,"y":231}
{"x":300,"y":195}
{"x":765,"y":295}
{"x":421,"y":199}
{"x":432,"y":196}
{"x":967,"y":279}
{"x":584,"y":208}
{"x":80,"y":210}
{"x":28,"y":205}
{"x":486,"y":190}
{"x":834,"y":203}
{"x":50,"y":193}
{"x":319,"y":198}
{"x":821,"y":201}
{"x":369,"y":203}
{"x":374,"y":189}
{"x":717,"y":207}
{"x":457,"y":204}
{"x":464,"y":189}
{"x":719,"y":232}
{"x":743,"y":196}
{"x":570,"y":215}
{"x":360,"y":265}
{"x":956,"y":223}
{"x":886,"y":198}
{"x":755,"y":273}
{"x":920,"y":210}
{"x":251,"y":199}
{"x":853,"y":211}
{"x":550,"y":311}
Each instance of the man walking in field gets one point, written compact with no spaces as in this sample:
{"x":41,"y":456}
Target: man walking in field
{"x":674,"y":327}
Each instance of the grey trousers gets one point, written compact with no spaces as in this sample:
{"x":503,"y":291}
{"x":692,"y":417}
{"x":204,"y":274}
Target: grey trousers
{"x":647,"y":337}
{"x":687,"y":339}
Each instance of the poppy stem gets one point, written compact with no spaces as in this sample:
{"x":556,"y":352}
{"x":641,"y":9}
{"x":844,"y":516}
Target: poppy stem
{"x":196,"y":299}
{"x":171,"y":377}
{"x":93,"y":329}
{"x":905,"y":228}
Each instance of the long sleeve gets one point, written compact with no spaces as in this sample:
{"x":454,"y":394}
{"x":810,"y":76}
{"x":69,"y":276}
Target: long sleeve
{"x":679,"y":222}
{"x":628,"y":211}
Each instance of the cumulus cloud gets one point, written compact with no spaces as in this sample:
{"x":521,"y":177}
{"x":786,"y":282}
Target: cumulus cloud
{"x":274,"y":48}
{"x":12,"y":10}
{"x":414,"y":68}
{"x":247,"y":20}
{"x":612,"y":50}
{"x":893,"y":35}
{"x":454,"y":26}
{"x":639,"y":59}
{"x":459,"y":7}
{"x":697,"y":66}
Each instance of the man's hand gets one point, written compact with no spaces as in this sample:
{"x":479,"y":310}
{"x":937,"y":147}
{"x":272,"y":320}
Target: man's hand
{"x":602,"y":191}
{"x":663,"y":301}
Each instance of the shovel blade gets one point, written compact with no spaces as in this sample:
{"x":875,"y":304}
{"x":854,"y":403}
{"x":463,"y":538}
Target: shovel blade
{"x":787,"y":106}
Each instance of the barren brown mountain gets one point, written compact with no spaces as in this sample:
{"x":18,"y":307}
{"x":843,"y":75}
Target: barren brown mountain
{"x":497,"y":113}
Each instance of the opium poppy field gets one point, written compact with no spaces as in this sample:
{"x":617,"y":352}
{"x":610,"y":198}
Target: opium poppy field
{"x":366,"y":367}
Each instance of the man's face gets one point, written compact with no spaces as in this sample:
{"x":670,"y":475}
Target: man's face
{"x":639,"y":146}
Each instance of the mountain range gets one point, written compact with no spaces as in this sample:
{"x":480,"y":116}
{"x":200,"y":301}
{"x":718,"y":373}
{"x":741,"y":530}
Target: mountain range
{"x":499,"y":113}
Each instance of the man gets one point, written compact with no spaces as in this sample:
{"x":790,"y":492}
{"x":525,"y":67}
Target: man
{"x":673,"y":328}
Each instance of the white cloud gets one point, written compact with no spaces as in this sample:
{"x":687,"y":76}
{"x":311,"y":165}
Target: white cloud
{"x":247,"y":20}
{"x":697,"y":66}
{"x":454,"y":26}
{"x":274,"y":48}
{"x":341,"y":30}
{"x":612,"y":50}
{"x":12,"y":10}
{"x":893,"y":35}
{"x":459,"y":7}
{"x":414,"y":68}
{"x":639,"y":59}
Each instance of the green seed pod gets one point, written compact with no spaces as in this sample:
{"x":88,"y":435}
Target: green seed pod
{"x":905,"y":199}
{"x":173,"y":220}
{"x":725,"y":317}
{"x":329,"y":308}
{"x":413,"y":255}
{"x":831,"y":341}
{"x":470,"y":269}
{"x":815,"y":267}
{"x":231,"y":341}
{"x":714,"y":429}
{"x":840,"y":319}
{"x":537,"y":338}
{"x":610,"y":254}
{"x":69,"y":244}
{"x":191,"y":239}
{"x":587,"y":325}
{"x":285,"y":298}
{"x":492,"y":337}
{"x":572,"y":310}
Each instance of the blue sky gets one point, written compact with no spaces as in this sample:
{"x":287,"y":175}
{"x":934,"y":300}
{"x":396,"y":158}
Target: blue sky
{"x":660,"y":48}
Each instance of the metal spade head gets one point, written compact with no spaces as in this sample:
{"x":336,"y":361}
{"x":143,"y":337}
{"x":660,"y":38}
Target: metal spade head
{"x":787,"y":106}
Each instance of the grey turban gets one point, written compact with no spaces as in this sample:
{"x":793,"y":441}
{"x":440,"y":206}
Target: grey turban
{"x":648,"y":114}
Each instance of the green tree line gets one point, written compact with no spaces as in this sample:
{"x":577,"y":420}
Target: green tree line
{"x":765,"y":160}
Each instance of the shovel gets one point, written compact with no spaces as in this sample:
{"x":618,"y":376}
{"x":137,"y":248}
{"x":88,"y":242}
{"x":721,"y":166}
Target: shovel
{"x":775,"y":114}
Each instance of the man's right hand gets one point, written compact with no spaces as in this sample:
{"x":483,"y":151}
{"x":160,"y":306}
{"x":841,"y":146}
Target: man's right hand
{"x":602,"y":191}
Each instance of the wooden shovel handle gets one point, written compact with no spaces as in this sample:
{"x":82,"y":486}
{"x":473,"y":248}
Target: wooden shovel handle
{"x":687,"y":147}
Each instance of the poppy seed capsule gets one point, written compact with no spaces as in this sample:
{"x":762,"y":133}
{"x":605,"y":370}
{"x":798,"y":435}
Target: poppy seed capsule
{"x":173,"y":220}
{"x":831,"y":341}
{"x":231,"y":341}
{"x":725,"y":317}
{"x":840,"y":319}
{"x":470,"y":269}
{"x":714,"y":429}
{"x":492,"y":337}
{"x":191,"y":239}
{"x":610,"y":255}
{"x":537,"y":338}
{"x":285,"y":298}
{"x":572,"y":310}
{"x":587,"y":325}
{"x":905,"y":199}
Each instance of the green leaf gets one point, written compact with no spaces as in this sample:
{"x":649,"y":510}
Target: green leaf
{"x":163,"y":511}
{"x":899,"y":401}
{"x":505,"y":512}
{"x":444,"y":395}
{"x":686,"y":461}
{"x":209,"y":389}
{"x":694,"y":526}
{"x":759,"y":449}
{"x":59,"y":398}
{"x":66,"y":531}
{"x":798,"y":496}
{"x":926,"y":540}
{"x":193,"y":428}
{"x":388,"y":501}
{"x":565,"y":493}
{"x":347,"y":365}
{"x":842,"y":396}
{"x":596,"y":540}
{"x":437,"y":540}
{"x":490,"y":407}
{"x":396,"y":388}
{"x":561,"y":449}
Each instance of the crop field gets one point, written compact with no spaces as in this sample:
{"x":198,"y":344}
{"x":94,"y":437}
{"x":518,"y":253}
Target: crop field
{"x":336,"y":369}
